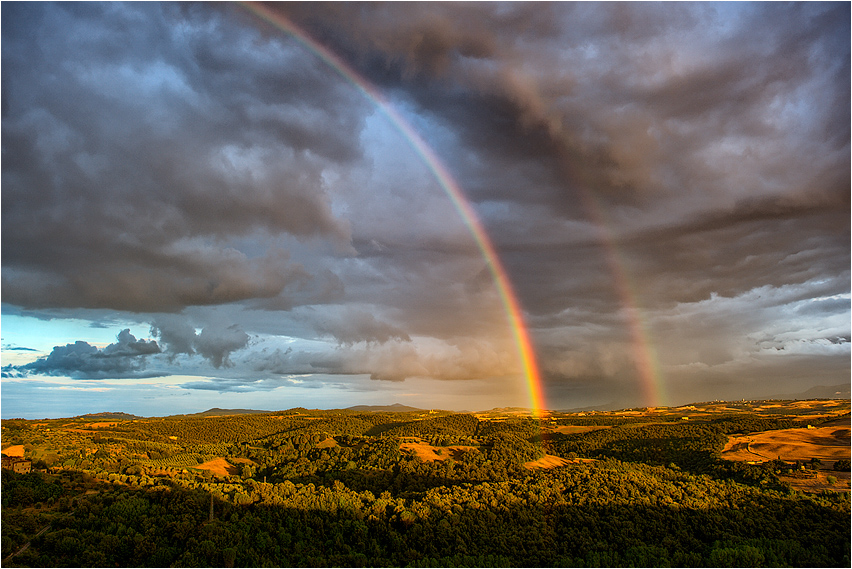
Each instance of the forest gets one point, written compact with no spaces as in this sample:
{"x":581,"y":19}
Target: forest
{"x":343,"y":488}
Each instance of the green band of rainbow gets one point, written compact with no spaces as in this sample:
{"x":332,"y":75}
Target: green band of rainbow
{"x":446,"y":181}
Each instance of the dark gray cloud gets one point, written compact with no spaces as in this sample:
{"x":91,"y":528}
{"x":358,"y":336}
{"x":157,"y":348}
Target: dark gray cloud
{"x":215,"y":342}
{"x":680,"y":167}
{"x":351,"y":326}
{"x":707,"y":125}
{"x":131,"y":165}
{"x":222,"y":385}
{"x":125,"y":358}
{"x":176,"y":334}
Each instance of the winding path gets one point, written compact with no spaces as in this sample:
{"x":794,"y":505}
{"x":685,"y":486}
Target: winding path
{"x":27,"y":544}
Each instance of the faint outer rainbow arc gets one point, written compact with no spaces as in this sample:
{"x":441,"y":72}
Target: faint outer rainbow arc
{"x":449,"y":185}
{"x":645,"y":356}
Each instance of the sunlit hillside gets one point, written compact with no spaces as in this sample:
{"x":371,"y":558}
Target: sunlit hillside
{"x":690,"y":486}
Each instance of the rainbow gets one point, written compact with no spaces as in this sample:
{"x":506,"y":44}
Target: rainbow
{"x":449,"y":185}
{"x":644,"y":355}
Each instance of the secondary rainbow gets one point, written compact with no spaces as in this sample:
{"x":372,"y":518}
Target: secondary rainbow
{"x":446,"y":181}
{"x":644,"y":354}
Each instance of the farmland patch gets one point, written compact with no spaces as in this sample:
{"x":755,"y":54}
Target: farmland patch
{"x":827,"y":444}
{"x":17,"y":450}
{"x":429,"y":453}
{"x":219,"y":467}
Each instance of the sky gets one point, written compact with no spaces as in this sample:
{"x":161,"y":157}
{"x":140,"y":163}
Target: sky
{"x":203,"y":206}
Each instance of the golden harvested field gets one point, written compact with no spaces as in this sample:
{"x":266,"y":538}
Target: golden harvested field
{"x":570,"y":429}
{"x":828,"y":444}
{"x":219,"y":467}
{"x":547,"y":461}
{"x":327,"y":443}
{"x":428,"y":453}
{"x":17,"y":450}
{"x":550,"y":461}
{"x":809,"y":405}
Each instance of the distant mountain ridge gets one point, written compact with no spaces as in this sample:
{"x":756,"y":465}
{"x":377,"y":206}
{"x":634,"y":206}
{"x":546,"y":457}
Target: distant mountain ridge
{"x":108,"y":416}
{"x":604,"y":407}
{"x":395,"y":408}
{"x":217,"y":412}
{"x":841,"y":391}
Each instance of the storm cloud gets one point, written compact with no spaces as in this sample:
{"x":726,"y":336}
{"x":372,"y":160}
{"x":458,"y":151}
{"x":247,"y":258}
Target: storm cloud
{"x":683,"y":169}
{"x":215,"y":343}
{"x":109,"y":204}
{"x":80,"y":360}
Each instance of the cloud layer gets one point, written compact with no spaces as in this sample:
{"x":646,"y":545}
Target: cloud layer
{"x":193,"y":169}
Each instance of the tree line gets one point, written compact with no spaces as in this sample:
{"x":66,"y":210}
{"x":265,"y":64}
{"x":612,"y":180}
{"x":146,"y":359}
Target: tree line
{"x":611,"y":513}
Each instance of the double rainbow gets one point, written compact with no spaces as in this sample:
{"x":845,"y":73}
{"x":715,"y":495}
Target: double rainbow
{"x":648,"y":368}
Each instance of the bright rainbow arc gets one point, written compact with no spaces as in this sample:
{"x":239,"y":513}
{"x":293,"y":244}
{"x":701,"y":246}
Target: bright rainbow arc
{"x":449,"y":185}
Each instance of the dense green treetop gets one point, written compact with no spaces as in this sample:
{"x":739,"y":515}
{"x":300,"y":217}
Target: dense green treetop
{"x":339,"y":488}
